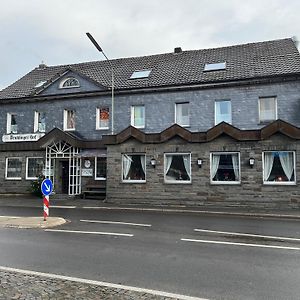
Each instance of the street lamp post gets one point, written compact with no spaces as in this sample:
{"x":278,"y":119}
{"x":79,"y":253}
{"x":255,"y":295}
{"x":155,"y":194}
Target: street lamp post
{"x":112,"y":78}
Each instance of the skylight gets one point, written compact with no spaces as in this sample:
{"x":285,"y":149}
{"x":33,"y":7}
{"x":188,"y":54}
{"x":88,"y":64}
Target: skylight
{"x":140,"y":74}
{"x":215,"y":66}
{"x":41,"y":83}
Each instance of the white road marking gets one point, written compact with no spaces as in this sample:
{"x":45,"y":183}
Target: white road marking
{"x":249,"y":235}
{"x":10,"y":217}
{"x":100,"y":283}
{"x":61,"y":206}
{"x":90,"y":232}
{"x":240,"y":244}
{"x":117,"y":223}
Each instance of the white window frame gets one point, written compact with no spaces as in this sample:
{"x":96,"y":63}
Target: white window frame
{"x":279,"y":182}
{"x":8,"y":123}
{"x":66,"y":120}
{"x":6,"y":165}
{"x":223,"y":100}
{"x":225,"y":182}
{"x":259,"y":111}
{"x":27,"y":159}
{"x":36,"y":122}
{"x":98,"y":127}
{"x":61,"y":84}
{"x":134,"y":181}
{"x":177,"y":181}
{"x":133,"y":107}
{"x":176,"y":109}
{"x":100,"y":178}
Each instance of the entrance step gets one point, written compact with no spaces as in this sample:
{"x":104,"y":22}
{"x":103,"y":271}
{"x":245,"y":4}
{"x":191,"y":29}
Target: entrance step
{"x":61,"y":197}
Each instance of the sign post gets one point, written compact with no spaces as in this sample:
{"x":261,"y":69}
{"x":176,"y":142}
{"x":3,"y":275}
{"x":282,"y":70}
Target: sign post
{"x":46,"y":187}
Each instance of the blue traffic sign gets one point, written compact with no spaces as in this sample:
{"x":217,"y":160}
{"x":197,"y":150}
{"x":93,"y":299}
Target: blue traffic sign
{"x":47,"y":187}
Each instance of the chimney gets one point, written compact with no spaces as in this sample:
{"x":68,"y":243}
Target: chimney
{"x":177,"y":50}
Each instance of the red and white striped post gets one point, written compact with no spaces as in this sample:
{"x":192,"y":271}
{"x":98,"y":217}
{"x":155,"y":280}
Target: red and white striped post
{"x":46,"y":188}
{"x":46,"y":207}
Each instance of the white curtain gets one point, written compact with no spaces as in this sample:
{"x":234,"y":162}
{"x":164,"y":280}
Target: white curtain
{"x":215,"y":164}
{"x":287,"y":163}
{"x":268,"y":164}
{"x":143,"y":163}
{"x":187,"y":164}
{"x":126,"y":165}
{"x":168,"y":163}
{"x":235,"y":163}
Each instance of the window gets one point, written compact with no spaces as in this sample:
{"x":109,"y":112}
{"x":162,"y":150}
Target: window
{"x":39,"y":121}
{"x":102,"y":116}
{"x":222,"y":111}
{"x":225,"y":168}
{"x":140,"y":74}
{"x":100,"y":168}
{"x":134,"y":168}
{"x":182,"y":114}
{"x":40,"y":84}
{"x":69,"y":119}
{"x":13,"y":168}
{"x":177,"y":168}
{"x":267,"y":109}
{"x":138,"y":116}
{"x":34,"y":167}
{"x":215,"y":66}
{"x":279,"y":167}
{"x":70,"y":82}
{"x":12,"y":125}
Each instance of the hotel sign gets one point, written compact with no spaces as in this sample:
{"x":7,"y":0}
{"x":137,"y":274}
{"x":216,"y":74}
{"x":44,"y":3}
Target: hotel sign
{"x":28,"y":137}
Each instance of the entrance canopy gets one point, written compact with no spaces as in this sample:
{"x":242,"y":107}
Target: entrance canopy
{"x":92,"y":153}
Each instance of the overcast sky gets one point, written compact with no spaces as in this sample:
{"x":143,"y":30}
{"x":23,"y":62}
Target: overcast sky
{"x":53,"y":31}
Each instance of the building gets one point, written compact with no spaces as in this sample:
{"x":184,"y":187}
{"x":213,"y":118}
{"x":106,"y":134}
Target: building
{"x":202,"y":127}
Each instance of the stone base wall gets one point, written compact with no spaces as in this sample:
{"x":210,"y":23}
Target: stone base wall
{"x":250,"y":193}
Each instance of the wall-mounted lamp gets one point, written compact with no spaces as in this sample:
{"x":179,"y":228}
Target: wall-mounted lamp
{"x":199,"y":162}
{"x":251,"y":162}
{"x":153,"y":162}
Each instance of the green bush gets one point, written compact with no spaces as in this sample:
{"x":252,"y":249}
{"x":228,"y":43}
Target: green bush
{"x":35,"y":186}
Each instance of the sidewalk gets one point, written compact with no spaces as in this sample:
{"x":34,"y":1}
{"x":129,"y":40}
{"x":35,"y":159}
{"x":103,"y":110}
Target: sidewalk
{"x":25,"y":285}
{"x":30,"y":201}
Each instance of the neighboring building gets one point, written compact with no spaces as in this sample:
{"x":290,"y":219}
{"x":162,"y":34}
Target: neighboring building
{"x":203,"y":127}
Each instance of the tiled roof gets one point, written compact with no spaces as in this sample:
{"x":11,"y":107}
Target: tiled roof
{"x":247,"y":61}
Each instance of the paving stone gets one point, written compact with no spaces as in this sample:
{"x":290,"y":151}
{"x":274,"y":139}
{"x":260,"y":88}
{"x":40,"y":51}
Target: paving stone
{"x":16,"y":286}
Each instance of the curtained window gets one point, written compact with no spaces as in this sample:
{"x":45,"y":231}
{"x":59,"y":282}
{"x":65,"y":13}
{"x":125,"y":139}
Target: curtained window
{"x":267,"y":109}
{"x":138,"y":116}
{"x":182,"y":114}
{"x":102,"y":120}
{"x":13,"y":168}
{"x":279,"y":167}
{"x":133,"y":167}
{"x":223,"y":111}
{"x":225,"y":167}
{"x":177,"y":168}
{"x":34,"y":167}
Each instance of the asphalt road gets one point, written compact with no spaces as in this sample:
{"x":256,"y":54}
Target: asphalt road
{"x":162,"y":251}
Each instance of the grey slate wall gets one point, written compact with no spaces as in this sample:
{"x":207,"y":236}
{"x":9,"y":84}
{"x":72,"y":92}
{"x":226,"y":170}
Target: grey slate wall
{"x":160,"y":109}
{"x":250,"y":193}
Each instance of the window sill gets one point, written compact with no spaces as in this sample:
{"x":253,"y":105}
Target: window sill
{"x":225,"y":182}
{"x":178,"y":182}
{"x":133,"y":181}
{"x":100,"y":178}
{"x":14,"y":178}
{"x":278,"y":183}
{"x":102,"y":128}
{"x":69,"y":129}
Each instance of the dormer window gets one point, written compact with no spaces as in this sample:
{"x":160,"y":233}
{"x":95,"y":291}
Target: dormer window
{"x":68,"y":83}
{"x":215,"y":66}
{"x":140,"y":74}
